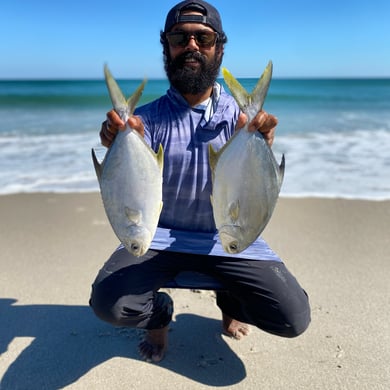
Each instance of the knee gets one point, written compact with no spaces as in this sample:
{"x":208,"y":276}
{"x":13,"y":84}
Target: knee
{"x":116,"y":310}
{"x":296,"y":328}
{"x":145,"y":311}
{"x":103,"y":309}
{"x":295,"y":324}
{"x":117,"y":313}
{"x":289,"y":321}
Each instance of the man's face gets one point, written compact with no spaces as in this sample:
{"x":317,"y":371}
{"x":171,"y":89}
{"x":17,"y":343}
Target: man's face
{"x":192,"y":68}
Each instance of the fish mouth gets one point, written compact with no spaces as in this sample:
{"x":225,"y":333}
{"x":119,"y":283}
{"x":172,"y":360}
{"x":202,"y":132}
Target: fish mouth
{"x":229,"y":235}
{"x":136,"y":249}
{"x":138,"y":240}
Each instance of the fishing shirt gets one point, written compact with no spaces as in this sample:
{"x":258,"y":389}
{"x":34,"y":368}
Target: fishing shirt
{"x":186,"y":222}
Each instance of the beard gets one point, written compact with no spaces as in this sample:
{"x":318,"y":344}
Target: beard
{"x":192,"y":80}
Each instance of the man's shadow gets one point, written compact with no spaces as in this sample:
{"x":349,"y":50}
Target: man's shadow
{"x":69,"y":341}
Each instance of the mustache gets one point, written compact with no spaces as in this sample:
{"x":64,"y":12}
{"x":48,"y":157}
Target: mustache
{"x":182,"y":58}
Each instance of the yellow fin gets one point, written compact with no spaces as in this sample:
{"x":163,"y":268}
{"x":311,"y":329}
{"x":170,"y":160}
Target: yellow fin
{"x":213,"y":157}
{"x":234,"y":210}
{"x":160,"y":157}
{"x":252,"y":103}
{"x":123,"y":107}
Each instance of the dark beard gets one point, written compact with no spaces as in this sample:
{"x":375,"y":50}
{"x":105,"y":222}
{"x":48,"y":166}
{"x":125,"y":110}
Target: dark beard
{"x":188,"y":80}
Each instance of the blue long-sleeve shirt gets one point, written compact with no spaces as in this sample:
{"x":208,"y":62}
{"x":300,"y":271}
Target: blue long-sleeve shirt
{"x":186,"y":221}
{"x":185,"y":135}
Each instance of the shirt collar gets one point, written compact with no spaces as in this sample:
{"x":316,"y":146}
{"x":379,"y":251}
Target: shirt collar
{"x":209,"y":106}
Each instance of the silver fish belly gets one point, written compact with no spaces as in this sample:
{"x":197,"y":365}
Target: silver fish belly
{"x":246,"y":177}
{"x":130,"y":179}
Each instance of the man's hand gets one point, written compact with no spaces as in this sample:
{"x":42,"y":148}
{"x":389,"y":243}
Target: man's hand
{"x":114,"y":123}
{"x":263,"y":122}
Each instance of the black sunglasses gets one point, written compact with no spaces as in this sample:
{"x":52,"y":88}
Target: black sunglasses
{"x":203,"y":38}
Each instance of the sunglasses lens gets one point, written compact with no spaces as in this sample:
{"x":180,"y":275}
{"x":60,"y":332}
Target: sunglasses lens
{"x":178,"y":38}
{"x":204,"y":39}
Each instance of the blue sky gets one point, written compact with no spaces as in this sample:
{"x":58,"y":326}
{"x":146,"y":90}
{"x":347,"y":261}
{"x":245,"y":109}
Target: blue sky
{"x":303,"y":38}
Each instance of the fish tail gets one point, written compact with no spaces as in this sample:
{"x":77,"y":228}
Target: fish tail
{"x":251,"y":103}
{"x":123,"y":107}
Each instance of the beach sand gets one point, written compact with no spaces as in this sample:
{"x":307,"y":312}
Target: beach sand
{"x":52,"y":246}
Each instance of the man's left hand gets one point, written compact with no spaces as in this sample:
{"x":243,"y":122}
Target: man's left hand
{"x":263,"y":122}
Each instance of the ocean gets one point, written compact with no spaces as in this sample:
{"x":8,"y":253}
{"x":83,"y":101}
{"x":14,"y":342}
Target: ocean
{"x":335,"y":134}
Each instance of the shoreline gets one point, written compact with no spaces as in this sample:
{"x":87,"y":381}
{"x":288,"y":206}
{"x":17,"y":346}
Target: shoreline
{"x":53,"y":245}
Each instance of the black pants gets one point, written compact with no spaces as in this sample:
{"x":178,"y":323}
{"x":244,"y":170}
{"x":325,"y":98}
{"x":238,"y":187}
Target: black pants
{"x":257,"y":292}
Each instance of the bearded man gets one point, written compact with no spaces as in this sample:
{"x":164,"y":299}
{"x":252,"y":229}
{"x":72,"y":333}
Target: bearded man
{"x":256,"y":287}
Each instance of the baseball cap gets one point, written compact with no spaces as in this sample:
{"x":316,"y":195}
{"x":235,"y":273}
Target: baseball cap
{"x":210,"y":16}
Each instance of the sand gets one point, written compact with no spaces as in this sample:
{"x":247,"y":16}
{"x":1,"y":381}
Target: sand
{"x":52,"y":246}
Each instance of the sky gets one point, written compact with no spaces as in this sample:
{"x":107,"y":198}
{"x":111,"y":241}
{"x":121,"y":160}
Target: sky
{"x":72,"y":39}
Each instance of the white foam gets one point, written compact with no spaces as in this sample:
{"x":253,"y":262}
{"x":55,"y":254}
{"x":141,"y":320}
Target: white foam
{"x":354,"y":164}
{"x":348,"y":164}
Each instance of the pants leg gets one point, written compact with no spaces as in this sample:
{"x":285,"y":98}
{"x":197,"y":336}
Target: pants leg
{"x":264,"y":294}
{"x":125,"y":290}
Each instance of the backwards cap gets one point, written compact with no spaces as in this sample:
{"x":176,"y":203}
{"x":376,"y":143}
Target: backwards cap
{"x":210,"y":16}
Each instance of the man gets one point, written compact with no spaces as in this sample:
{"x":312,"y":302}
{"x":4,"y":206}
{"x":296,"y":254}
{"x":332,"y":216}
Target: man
{"x":257,"y":287}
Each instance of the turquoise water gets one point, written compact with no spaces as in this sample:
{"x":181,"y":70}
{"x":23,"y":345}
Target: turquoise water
{"x":335,"y":134}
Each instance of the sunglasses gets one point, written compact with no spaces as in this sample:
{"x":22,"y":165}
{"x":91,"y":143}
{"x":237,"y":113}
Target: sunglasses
{"x":203,"y":38}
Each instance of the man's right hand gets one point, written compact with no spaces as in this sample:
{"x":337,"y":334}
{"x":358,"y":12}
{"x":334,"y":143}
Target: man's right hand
{"x":114,"y":123}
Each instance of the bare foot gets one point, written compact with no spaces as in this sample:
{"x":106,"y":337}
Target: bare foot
{"x":234,"y":328}
{"x":153,"y":347}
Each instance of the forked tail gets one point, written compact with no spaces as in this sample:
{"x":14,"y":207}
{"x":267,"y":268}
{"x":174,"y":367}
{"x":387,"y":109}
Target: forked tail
{"x":251,"y":103}
{"x":123,"y":107}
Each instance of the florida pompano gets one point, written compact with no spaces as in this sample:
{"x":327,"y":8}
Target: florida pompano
{"x":130,"y":178}
{"x":246,"y":177}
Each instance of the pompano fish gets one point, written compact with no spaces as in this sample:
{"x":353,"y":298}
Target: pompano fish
{"x":246,"y":177}
{"x":130,"y":178}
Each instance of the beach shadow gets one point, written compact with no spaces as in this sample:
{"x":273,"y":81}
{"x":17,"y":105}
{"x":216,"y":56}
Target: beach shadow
{"x":68,"y":341}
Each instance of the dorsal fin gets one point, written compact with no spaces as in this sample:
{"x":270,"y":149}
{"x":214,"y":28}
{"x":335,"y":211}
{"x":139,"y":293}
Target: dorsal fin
{"x":98,"y":167}
{"x":160,"y":157}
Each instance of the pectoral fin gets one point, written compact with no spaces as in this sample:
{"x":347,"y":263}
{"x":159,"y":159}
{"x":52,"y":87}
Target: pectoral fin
{"x":234,"y":210}
{"x":134,"y":216}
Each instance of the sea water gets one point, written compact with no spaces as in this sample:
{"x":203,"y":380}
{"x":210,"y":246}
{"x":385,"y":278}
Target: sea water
{"x":335,"y":134}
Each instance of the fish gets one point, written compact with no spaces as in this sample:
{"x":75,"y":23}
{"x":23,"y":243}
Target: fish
{"x":130,"y":178}
{"x":246,"y":178}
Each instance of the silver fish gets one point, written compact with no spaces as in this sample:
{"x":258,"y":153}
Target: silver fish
{"x":246,"y":177}
{"x":130,"y":178}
